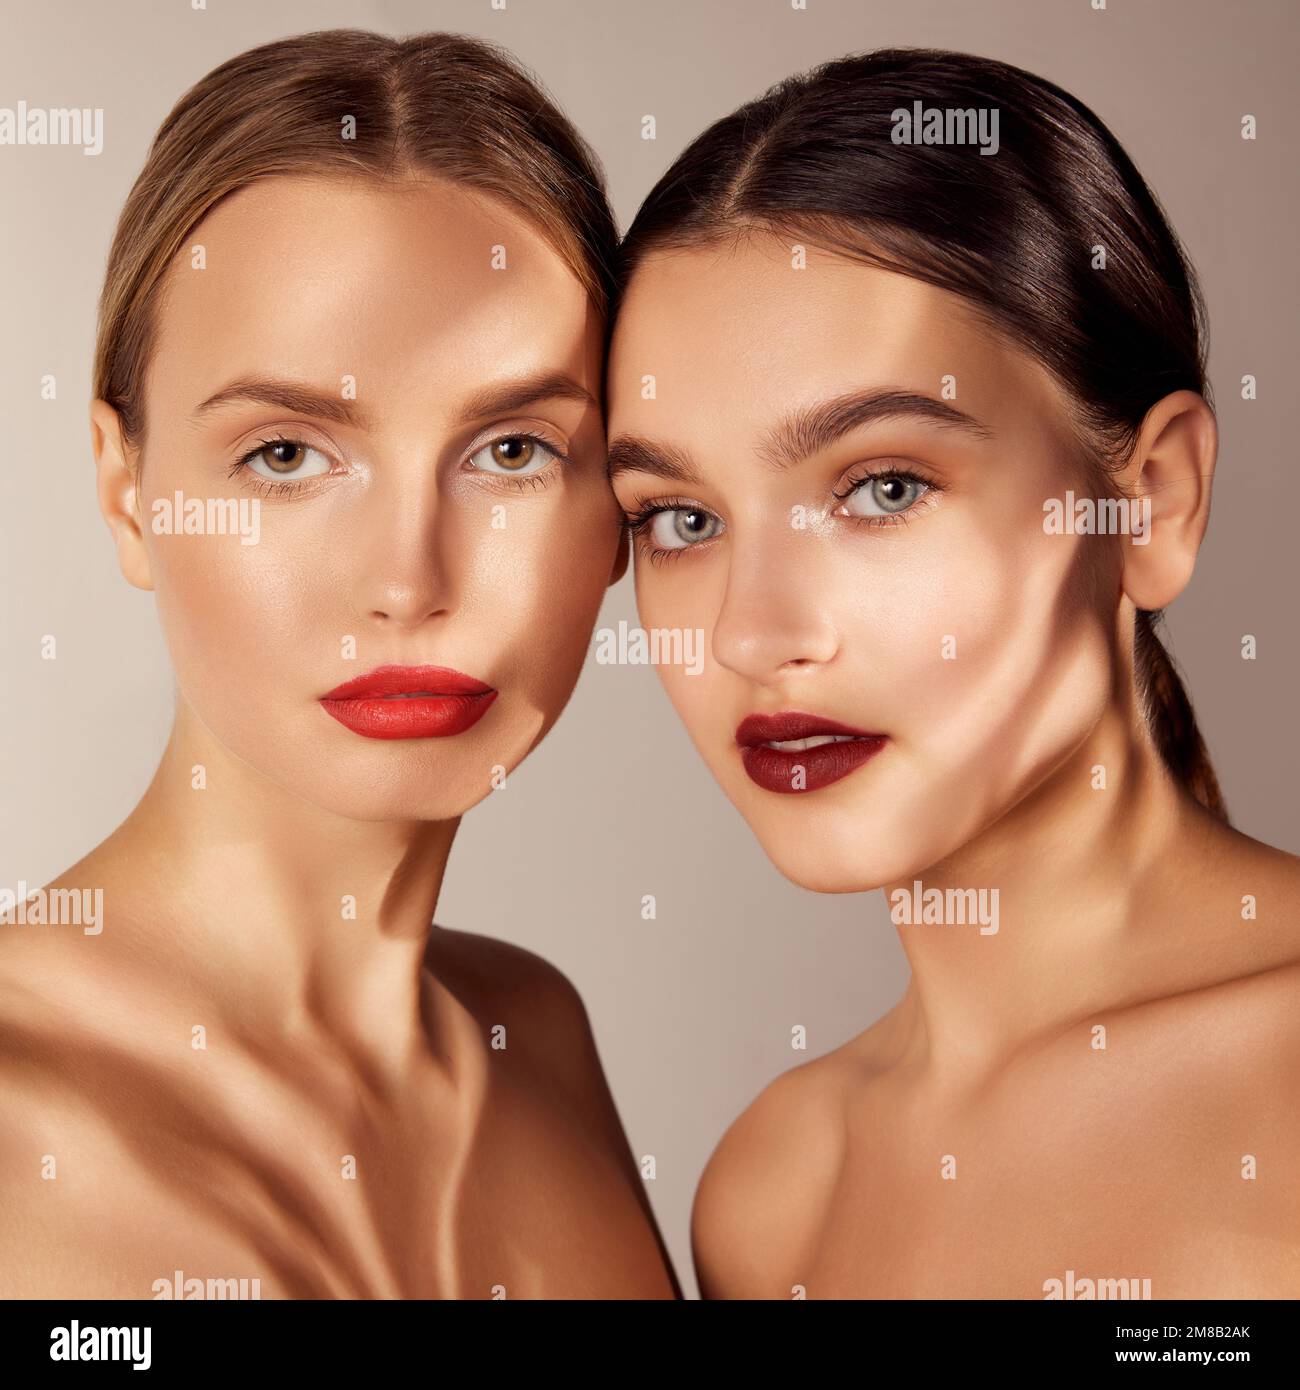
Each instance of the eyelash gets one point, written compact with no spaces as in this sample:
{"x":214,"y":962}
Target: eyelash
{"x":266,"y":487}
{"x":906,"y":475}
{"x":638,"y":525}
{"x":639,"y":520}
{"x":528,"y":482}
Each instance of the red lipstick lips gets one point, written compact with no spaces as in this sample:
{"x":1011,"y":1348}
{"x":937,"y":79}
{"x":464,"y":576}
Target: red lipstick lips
{"x":838,"y":750}
{"x":409,"y":702}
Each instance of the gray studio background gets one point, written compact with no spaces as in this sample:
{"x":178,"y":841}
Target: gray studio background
{"x":692,"y":1012}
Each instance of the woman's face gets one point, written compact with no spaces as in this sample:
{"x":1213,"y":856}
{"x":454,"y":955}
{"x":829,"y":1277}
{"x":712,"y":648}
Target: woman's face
{"x":839,"y":475}
{"x":437,"y":498}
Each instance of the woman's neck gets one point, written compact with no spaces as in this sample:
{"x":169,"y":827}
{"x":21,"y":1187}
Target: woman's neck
{"x":297,"y":920}
{"x":1081,"y":899}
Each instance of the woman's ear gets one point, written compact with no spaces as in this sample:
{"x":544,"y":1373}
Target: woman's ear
{"x":621,"y":557}
{"x":1168,"y":479}
{"x":117,"y":493}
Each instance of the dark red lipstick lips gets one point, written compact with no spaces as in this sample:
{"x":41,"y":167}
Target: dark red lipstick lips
{"x":409,"y":702}
{"x":801,"y":768}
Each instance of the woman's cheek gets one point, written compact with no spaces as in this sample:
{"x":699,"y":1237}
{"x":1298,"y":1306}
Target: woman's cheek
{"x":235,"y":624}
{"x":1008,"y":681}
{"x":684,"y":597}
{"x":911,"y":629}
{"x":535,"y":583}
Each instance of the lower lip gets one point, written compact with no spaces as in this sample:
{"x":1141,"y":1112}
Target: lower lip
{"x":419,"y":716}
{"x":778,"y":771}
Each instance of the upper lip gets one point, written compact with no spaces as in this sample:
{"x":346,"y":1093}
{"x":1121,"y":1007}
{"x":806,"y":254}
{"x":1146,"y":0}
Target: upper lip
{"x":755,"y":729}
{"x":408,"y":680}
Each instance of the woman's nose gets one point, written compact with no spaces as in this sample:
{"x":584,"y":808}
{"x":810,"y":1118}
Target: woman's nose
{"x":408,"y":568}
{"x":773,"y":617}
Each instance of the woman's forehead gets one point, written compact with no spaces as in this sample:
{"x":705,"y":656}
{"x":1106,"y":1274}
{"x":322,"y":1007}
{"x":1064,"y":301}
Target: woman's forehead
{"x":759,"y":328}
{"x":277,"y":278}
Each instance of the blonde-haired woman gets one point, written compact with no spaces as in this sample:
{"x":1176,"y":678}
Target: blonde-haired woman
{"x":346,"y":422}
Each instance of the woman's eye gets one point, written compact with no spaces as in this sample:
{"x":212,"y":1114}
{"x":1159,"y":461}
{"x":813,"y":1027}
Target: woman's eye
{"x":884,"y":495}
{"x":675,"y":528}
{"x":287,"y":458}
{"x":516,"y":453}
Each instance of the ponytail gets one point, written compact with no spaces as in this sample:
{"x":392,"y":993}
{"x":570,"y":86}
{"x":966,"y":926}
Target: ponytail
{"x":1170,"y":717}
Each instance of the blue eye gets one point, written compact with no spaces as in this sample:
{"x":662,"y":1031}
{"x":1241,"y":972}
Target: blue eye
{"x":514,"y":455}
{"x":675,"y":528}
{"x":884,"y":494}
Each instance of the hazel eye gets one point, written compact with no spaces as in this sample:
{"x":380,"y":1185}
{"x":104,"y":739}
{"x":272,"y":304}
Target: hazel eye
{"x":675,"y":528}
{"x":886,"y":494}
{"x":286,"y":458}
{"x":513,"y":454}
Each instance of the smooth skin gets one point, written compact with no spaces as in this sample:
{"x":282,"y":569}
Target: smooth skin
{"x":352,"y":1125}
{"x":976,"y":1141}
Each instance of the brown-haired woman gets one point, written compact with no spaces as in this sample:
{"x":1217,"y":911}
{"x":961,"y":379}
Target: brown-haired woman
{"x":347,"y":426}
{"x":927,"y":452}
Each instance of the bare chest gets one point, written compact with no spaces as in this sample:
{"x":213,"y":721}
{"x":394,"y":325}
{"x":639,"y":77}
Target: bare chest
{"x":494,"y":1196}
{"x":1035,"y":1197}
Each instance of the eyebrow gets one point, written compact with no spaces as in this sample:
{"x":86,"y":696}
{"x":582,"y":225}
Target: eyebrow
{"x":288,"y":395}
{"x":515,"y":395}
{"x":301,"y":399}
{"x":800,"y":435}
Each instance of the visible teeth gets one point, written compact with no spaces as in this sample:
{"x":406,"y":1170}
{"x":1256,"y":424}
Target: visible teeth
{"x":799,"y":745}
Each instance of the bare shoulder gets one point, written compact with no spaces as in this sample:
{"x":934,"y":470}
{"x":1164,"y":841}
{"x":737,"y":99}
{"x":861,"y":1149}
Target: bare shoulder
{"x":1271,"y":1087}
{"x":495,"y":977}
{"x":547,"y":1023}
{"x":1232,"y":1016}
{"x":1253,"y":1023}
{"x":68,"y":1184}
{"x":1259,"y":879}
{"x":530,"y":1005}
{"x":1241,"y":986}
{"x":490,"y":961}
{"x":767,"y":1188}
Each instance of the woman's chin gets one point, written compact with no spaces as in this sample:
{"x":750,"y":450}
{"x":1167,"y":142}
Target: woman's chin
{"x":371,"y":803}
{"x":841,"y":855}
{"x":827,"y":868}
{"x":418,"y":788}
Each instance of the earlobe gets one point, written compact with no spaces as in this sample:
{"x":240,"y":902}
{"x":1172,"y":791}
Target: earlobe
{"x":1168,"y":479}
{"x":621,"y":557}
{"x":115,"y":482}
